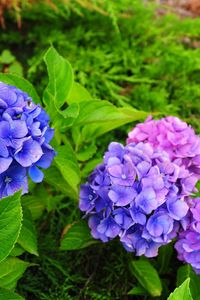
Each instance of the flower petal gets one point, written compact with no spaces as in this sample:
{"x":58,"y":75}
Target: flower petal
{"x":5,"y":163}
{"x":36,"y":174}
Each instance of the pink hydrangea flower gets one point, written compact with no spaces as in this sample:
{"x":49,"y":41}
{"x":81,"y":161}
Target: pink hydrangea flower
{"x":175,"y":137}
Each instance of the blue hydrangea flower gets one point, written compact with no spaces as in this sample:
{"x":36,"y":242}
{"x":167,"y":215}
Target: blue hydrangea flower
{"x":138,"y":195}
{"x":24,"y":140}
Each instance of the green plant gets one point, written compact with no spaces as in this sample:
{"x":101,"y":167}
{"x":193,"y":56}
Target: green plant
{"x":76,"y":126}
{"x":131,"y":57}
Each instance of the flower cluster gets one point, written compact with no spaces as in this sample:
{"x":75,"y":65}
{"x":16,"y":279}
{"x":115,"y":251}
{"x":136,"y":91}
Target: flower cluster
{"x":175,"y":137}
{"x":137,"y":194}
{"x":188,"y":244}
{"x":24,"y":140}
{"x":142,"y":192}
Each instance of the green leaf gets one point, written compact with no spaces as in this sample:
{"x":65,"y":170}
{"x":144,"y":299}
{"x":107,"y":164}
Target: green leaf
{"x":99,"y":117}
{"x":71,"y":113}
{"x":138,"y":290}
{"x":27,"y":238}
{"x":68,"y":166}
{"x":9,"y":295}
{"x":54,"y":177}
{"x":185,"y":272}
{"x":182,"y":292}
{"x":10,"y":223}
{"x":104,"y":111}
{"x":16,"y":68}
{"x":123,"y":116}
{"x":164,"y":257}
{"x":22,"y":84}
{"x":66,"y":117}
{"x":147,"y":276}
{"x":96,"y":117}
{"x":87,"y":153}
{"x":96,"y":111}
{"x":6,"y":57}
{"x":60,"y":78}
{"x":34,"y":204}
{"x":11,"y":269}
{"x":77,"y":236}
{"x":78,"y":94}
{"x":17,"y":250}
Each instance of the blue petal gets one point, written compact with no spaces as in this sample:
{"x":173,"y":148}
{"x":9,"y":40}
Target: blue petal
{"x":4,"y":164}
{"x":19,"y":129}
{"x":49,"y":135}
{"x":3,"y":149}
{"x":46,"y":159}
{"x":35,"y":174}
{"x":4,"y":129}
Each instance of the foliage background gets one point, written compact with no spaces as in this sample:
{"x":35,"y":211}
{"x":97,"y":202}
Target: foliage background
{"x":124,"y":52}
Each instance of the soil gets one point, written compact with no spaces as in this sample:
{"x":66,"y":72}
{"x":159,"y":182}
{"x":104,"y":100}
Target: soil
{"x":184,"y":8}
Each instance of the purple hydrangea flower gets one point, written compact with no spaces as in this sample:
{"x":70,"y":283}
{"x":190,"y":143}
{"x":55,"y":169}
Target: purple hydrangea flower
{"x":174,"y":136}
{"x":137,"y":194}
{"x":24,"y":140}
{"x":188,"y":243}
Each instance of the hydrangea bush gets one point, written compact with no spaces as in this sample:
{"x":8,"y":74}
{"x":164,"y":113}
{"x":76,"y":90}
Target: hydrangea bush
{"x":142,"y":192}
{"x":24,"y":140}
